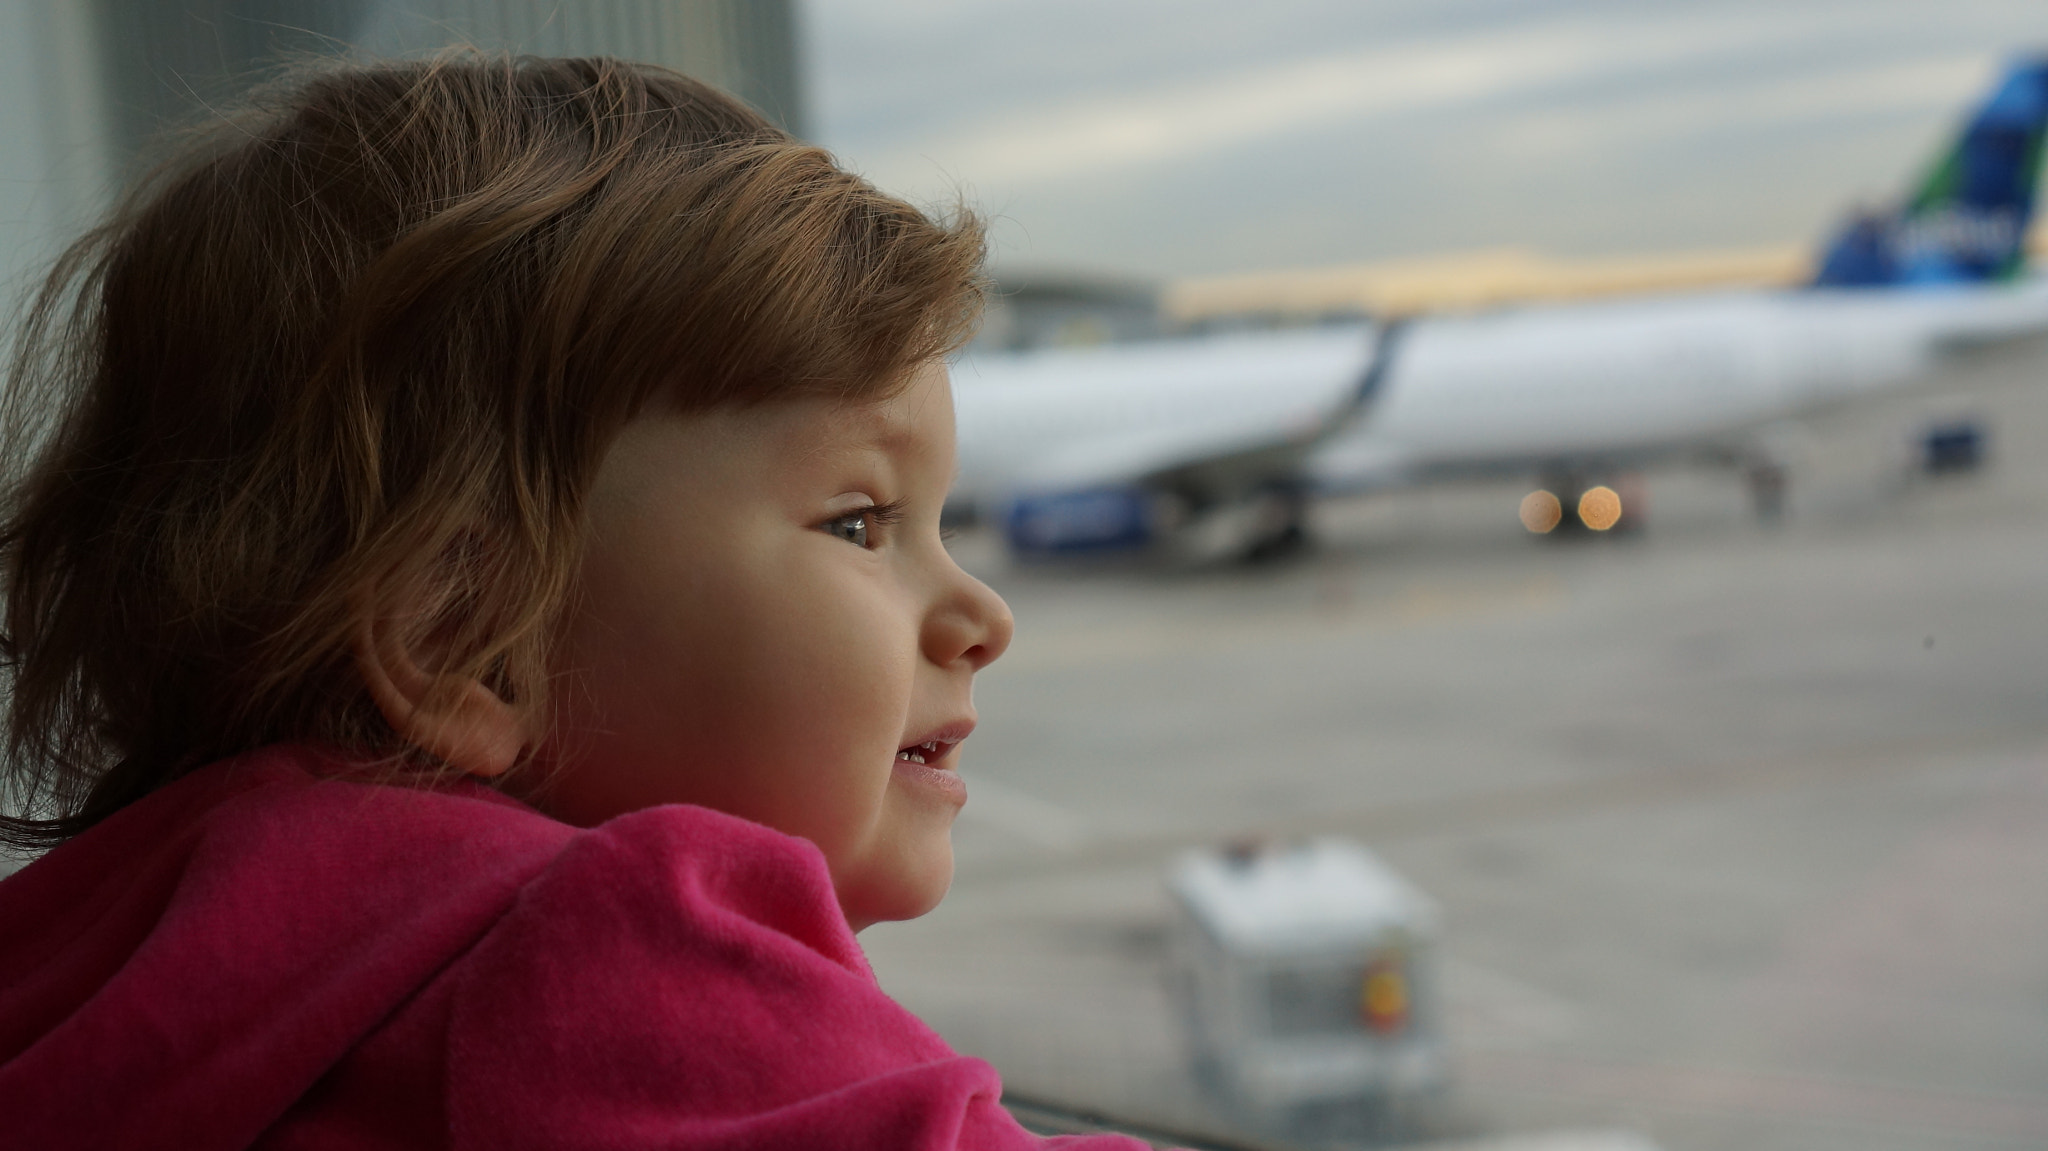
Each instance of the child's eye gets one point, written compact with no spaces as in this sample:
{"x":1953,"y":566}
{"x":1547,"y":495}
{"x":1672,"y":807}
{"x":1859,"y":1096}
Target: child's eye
{"x":857,"y":527}
{"x":851,"y":527}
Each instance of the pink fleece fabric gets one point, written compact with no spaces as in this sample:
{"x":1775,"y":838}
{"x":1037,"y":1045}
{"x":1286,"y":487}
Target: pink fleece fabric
{"x":262,"y":955}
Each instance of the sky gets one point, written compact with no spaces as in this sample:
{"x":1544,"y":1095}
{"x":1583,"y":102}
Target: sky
{"x":1166,"y":138}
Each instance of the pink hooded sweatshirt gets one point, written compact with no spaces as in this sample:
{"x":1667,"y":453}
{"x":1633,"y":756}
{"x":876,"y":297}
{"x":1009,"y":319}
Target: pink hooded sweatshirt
{"x":256,"y":956}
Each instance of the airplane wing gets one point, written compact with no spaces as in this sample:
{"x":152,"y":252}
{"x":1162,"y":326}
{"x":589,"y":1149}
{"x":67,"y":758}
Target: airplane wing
{"x":1221,"y":419}
{"x":1216,"y":456}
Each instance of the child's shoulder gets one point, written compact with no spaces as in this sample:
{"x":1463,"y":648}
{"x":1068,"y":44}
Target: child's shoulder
{"x":214,"y":949}
{"x":291,"y":824}
{"x":292,"y":834}
{"x":264,"y":951}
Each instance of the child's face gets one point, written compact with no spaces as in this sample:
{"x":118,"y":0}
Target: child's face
{"x":752,"y":637}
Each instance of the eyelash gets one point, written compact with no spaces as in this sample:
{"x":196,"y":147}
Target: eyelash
{"x":866,"y":519}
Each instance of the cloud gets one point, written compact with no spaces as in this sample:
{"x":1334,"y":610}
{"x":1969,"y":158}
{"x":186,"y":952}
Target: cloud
{"x":1205,"y":135}
{"x":1165,"y":123}
{"x":1860,"y":90}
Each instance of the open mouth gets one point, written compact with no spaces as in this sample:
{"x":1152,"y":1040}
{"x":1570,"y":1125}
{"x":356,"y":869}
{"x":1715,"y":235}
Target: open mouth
{"x":928,"y":752}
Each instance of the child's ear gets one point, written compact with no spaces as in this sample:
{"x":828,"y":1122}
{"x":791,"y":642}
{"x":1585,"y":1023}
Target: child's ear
{"x":455,"y":718}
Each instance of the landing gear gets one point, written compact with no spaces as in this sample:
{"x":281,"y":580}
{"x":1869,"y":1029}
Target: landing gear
{"x":1279,"y":526}
{"x":1198,"y":528}
{"x":1558,"y":515}
{"x":1766,"y":480}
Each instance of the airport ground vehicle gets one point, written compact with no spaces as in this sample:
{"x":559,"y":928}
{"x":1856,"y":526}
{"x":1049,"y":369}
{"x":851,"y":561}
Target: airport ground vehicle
{"x":1306,"y":974}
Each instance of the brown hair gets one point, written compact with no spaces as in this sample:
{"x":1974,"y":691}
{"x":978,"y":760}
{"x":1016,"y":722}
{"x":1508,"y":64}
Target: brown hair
{"x":376,"y":333}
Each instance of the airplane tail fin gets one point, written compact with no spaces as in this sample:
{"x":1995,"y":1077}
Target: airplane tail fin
{"x":1967,"y":222}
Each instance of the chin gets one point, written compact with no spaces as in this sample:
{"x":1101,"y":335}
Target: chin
{"x":907,"y":890}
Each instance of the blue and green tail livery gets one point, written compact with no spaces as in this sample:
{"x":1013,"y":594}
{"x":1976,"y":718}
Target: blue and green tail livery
{"x":1967,"y":223}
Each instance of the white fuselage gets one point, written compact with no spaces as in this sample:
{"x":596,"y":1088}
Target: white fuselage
{"x":1586,"y":384}
{"x":1069,"y":418}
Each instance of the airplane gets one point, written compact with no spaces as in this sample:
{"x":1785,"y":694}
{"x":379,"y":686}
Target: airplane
{"x":1137,"y":445}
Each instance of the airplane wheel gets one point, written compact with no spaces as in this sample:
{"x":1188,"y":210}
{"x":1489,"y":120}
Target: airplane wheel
{"x":1286,"y":542}
{"x":1281,"y":528}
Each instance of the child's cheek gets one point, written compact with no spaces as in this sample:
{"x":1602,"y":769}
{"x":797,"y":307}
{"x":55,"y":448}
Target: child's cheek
{"x":826,"y":700}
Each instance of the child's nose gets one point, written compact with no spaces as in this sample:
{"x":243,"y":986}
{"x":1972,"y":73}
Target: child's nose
{"x":974,"y":624}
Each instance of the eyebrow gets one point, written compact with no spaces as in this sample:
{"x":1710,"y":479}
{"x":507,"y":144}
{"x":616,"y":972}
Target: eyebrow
{"x":878,"y":432}
{"x":894,"y":438}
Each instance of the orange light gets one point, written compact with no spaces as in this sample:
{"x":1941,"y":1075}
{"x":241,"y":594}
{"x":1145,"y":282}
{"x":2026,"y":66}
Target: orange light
{"x":1541,"y":512}
{"x":1600,"y":508}
{"x":1383,"y":999}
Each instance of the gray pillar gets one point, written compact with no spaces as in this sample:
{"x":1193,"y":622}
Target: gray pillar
{"x":164,"y":61}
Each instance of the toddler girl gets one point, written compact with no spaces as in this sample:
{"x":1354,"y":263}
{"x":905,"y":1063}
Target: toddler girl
{"x":479,"y":635}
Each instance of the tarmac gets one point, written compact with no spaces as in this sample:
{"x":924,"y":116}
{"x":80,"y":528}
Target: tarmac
{"x":1740,"y":829}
